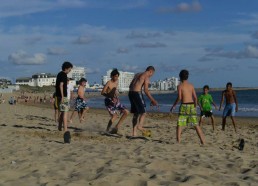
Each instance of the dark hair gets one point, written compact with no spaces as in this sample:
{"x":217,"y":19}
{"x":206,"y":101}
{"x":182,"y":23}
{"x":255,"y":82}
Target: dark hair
{"x":183,"y":75}
{"x":229,"y":83}
{"x":114,"y":72}
{"x":150,"y":68}
{"x":82,"y":80}
{"x":66,"y":65}
{"x":206,"y":87}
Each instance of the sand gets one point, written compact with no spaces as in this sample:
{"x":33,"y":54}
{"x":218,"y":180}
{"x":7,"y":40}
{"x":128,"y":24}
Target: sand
{"x":33,"y":153}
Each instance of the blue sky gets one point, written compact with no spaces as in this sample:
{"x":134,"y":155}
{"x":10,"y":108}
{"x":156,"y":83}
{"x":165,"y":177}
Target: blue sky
{"x":217,"y":41}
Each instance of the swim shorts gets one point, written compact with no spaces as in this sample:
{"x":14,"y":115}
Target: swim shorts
{"x":206,"y":113}
{"x":187,"y":115}
{"x":229,"y":110}
{"x":63,"y":106}
{"x":114,"y":107}
{"x":80,"y":104}
{"x":137,"y":102}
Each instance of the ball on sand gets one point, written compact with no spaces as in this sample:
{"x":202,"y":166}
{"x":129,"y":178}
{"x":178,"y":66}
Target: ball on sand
{"x":146,"y":133}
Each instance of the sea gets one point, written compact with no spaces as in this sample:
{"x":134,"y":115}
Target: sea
{"x":247,"y":102}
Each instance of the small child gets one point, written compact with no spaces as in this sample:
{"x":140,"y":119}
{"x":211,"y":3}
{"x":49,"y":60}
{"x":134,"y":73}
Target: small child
{"x":187,"y":111}
{"x":81,"y":104}
{"x":204,"y":102}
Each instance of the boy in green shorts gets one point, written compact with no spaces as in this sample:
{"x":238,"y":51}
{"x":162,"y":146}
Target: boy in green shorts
{"x":187,"y":111}
{"x":204,"y":101}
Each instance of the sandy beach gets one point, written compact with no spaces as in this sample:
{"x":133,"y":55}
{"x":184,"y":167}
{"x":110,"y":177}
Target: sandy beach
{"x":33,"y":152}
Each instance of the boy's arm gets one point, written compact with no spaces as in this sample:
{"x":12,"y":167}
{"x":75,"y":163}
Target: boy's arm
{"x":177,"y":99}
{"x":235,"y":99}
{"x":104,"y":90}
{"x":195,"y":98}
{"x":199,"y":104}
{"x":147,"y":92}
{"x":213,"y":103}
{"x":222,"y":100}
{"x":61,"y":87}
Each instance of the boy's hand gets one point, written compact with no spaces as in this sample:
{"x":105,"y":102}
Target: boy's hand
{"x":154,"y":103}
{"x":172,"y":108}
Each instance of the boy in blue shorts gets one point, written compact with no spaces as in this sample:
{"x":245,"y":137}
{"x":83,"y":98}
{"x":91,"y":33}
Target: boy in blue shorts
{"x":204,"y":101}
{"x":231,"y":106}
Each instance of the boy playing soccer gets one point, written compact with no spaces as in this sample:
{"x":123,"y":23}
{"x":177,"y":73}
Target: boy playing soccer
{"x":187,"y":111}
{"x":204,"y":102}
{"x":231,"y":106}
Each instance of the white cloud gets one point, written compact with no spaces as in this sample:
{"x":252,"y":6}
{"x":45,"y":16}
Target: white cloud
{"x":83,"y":40}
{"x":251,"y":51}
{"x":23,"y":7}
{"x":195,"y":6}
{"x":150,"y":45}
{"x":122,"y":50}
{"x":22,"y":58}
{"x":56,"y":51}
{"x":142,"y":35}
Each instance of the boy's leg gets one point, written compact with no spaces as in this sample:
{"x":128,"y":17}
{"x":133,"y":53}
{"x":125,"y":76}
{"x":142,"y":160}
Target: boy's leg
{"x":71,"y":117}
{"x":178,"y":133}
{"x":125,"y":114}
{"x":111,"y":121}
{"x":141,"y":122}
{"x":224,"y":119}
{"x":200,"y":121}
{"x":135,"y":122}
{"x":233,"y":122}
{"x":212,"y":122}
{"x":60,"y":120}
{"x":200,"y":134}
{"x":65,"y":120}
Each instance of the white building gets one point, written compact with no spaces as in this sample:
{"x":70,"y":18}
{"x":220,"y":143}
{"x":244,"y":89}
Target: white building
{"x":167,"y":84}
{"x":38,"y":80}
{"x":77,"y":73}
{"x":125,"y":79}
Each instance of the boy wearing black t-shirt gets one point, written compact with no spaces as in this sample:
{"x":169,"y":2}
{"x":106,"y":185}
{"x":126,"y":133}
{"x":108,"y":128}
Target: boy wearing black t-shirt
{"x":61,"y":95}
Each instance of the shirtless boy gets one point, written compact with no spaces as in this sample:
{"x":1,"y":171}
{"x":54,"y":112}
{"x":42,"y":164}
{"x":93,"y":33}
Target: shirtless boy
{"x":112,"y":103}
{"x":231,"y":106}
{"x":187,"y":111}
{"x":138,"y":106}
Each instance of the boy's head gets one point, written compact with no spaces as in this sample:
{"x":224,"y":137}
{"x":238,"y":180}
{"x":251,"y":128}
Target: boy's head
{"x":82,"y":81}
{"x":151,"y":70}
{"x":229,"y":85}
{"x":67,"y":67}
{"x":114,"y":74}
{"x":183,"y":75}
{"x":206,"y":89}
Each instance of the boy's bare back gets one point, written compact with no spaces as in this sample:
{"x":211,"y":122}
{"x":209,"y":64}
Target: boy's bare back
{"x":139,"y":80}
{"x":186,"y":92}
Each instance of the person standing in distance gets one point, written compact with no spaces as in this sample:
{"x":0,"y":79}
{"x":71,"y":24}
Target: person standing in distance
{"x":138,"y":106}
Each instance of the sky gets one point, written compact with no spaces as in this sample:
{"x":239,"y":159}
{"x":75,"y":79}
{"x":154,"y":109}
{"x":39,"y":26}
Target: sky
{"x":217,"y":41}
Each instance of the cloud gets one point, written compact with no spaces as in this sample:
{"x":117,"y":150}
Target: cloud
{"x":251,"y":20}
{"x":122,"y":50}
{"x":255,"y":35}
{"x":33,"y":40}
{"x":22,"y":58}
{"x":82,"y":40}
{"x":142,"y":35}
{"x":92,"y":71}
{"x":195,"y":6}
{"x":130,"y":68}
{"x":18,"y":7}
{"x":251,"y":51}
{"x":150,"y":45}
{"x":56,"y":51}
